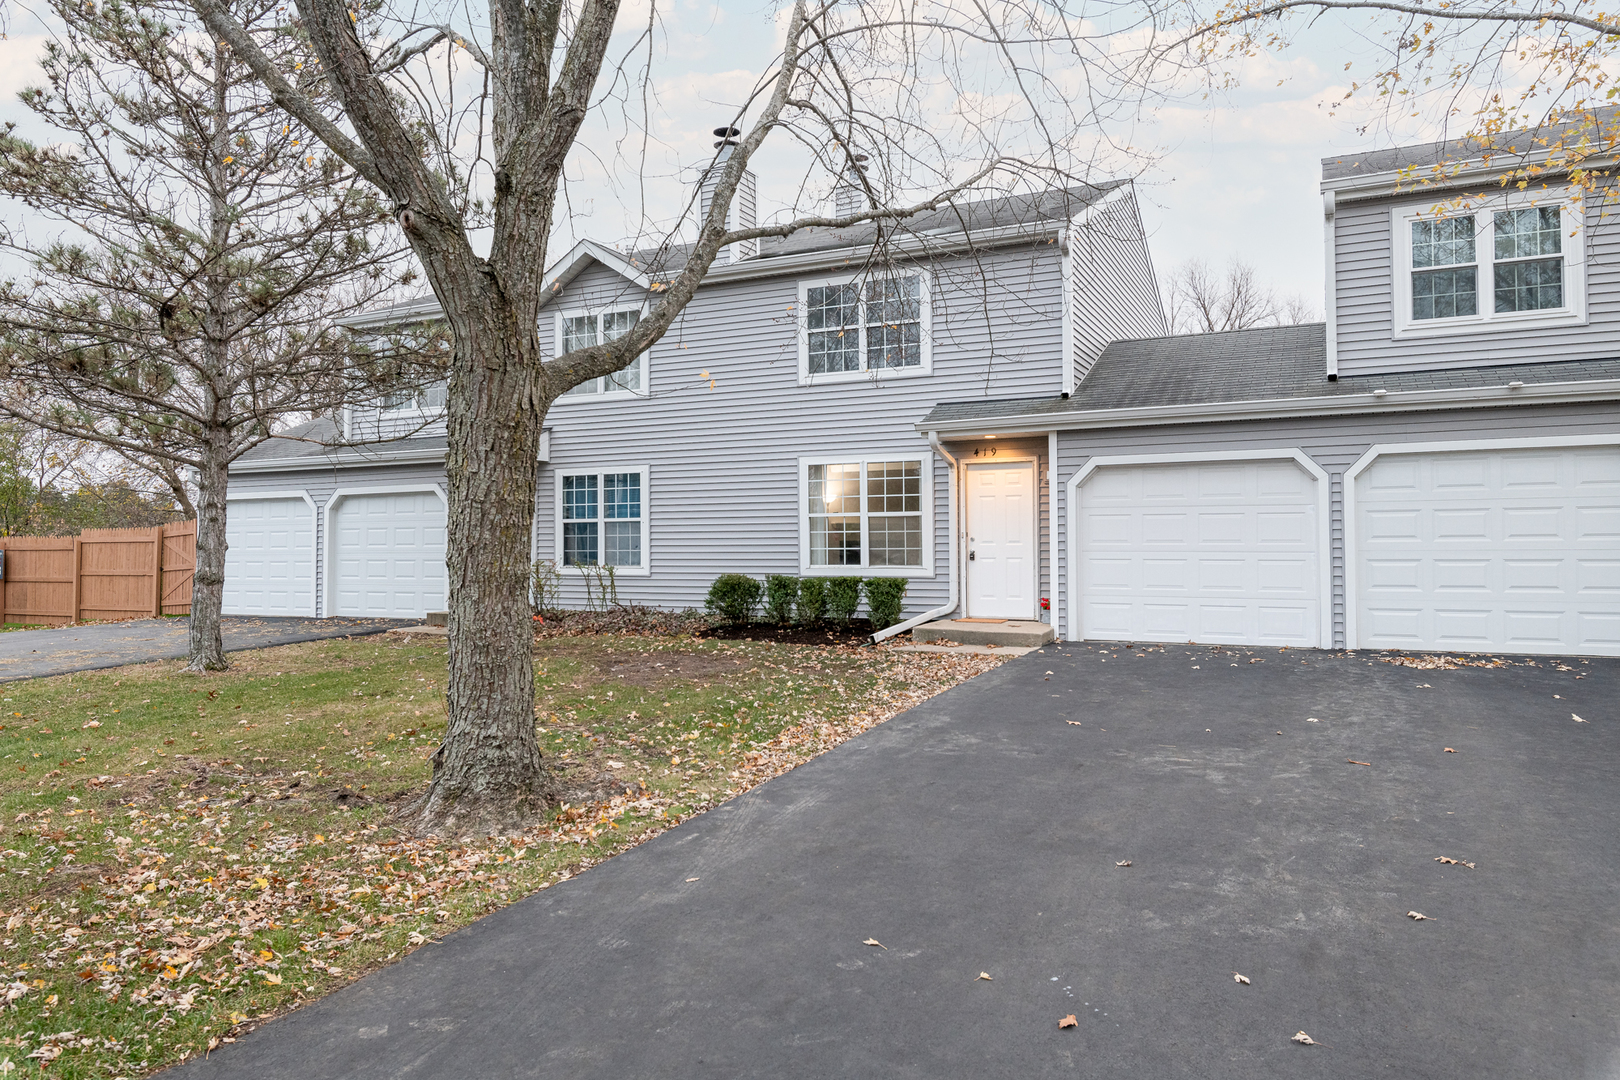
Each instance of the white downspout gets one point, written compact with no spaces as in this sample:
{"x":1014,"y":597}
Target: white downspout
{"x":950,"y":605}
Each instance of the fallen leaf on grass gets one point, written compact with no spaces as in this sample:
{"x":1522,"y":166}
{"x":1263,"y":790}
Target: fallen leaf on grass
{"x":1301,"y":1037}
{"x":272,"y":978}
{"x":875,"y":941}
{"x":985,"y":975}
{"x":1353,"y":761}
{"x":1125,"y":862}
{"x":1244,"y":979}
{"x":1417,"y":916}
{"x":1453,"y":862}
{"x":1577,"y":719}
{"x":1068,"y":1021}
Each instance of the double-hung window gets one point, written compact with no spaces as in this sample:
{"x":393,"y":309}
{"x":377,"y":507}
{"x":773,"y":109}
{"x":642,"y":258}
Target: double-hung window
{"x":602,"y":519}
{"x":578,"y":330}
{"x":423,"y":399}
{"x":865,"y":514}
{"x":1505,"y":261}
{"x":866,"y":326}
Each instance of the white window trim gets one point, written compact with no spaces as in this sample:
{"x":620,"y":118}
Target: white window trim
{"x":925,"y":290}
{"x":413,"y":410}
{"x":926,"y":570}
{"x":645,"y":471}
{"x":314,"y":528}
{"x":571,"y":398}
{"x":1573,"y":313}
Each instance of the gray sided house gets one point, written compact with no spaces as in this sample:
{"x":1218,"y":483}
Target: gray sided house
{"x":996,"y":414}
{"x":773,"y":430}
{"x":1436,"y":467}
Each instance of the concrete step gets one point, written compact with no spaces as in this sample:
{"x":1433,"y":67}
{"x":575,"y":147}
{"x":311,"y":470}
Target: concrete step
{"x":1017,"y":632}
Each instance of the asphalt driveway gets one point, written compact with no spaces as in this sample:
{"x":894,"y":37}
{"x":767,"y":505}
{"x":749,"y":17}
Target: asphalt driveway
{"x":29,"y":654}
{"x":982,"y":832}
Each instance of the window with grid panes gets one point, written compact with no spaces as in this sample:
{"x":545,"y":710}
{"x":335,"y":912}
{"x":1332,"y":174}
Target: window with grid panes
{"x":582,"y":331}
{"x":602,"y":519}
{"x":866,"y":513}
{"x":873,"y":325}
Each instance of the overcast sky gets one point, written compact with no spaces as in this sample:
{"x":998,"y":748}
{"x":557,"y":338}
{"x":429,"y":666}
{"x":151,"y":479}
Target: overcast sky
{"x":1231,"y":179}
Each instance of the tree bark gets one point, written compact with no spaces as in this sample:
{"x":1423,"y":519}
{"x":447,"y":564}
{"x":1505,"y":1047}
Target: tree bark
{"x":208,"y":581}
{"x":488,"y":777}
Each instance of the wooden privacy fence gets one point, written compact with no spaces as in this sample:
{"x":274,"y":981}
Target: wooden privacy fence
{"x":99,"y":574}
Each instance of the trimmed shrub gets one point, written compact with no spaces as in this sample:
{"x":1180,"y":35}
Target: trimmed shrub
{"x":843,"y":598}
{"x":781,"y":594}
{"x":812,"y":600}
{"x":884,"y":596}
{"x":734,"y":597}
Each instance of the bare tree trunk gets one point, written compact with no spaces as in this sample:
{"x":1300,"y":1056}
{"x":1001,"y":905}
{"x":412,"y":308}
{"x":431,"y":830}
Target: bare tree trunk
{"x":488,"y":777}
{"x":208,"y":583}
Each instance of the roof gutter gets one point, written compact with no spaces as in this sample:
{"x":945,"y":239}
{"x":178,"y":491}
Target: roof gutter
{"x":1417,"y":179}
{"x":1376,"y":401}
{"x":337,"y":457}
{"x":950,"y":604}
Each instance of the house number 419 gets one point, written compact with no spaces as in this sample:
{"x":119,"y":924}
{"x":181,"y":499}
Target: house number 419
{"x":985,"y":451}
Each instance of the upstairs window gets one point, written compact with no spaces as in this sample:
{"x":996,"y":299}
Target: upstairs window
{"x":423,"y":399}
{"x":855,"y":327}
{"x":865,"y":514}
{"x":1506,"y":261}
{"x":580,"y":330}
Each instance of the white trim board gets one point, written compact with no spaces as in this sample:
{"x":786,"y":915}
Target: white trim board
{"x":329,"y":547}
{"x":314,"y":533}
{"x":1558,"y":442}
{"x":1324,"y":512}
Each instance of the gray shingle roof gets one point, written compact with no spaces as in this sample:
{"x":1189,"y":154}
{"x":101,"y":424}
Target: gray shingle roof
{"x":322,"y":439}
{"x":1246,"y":365}
{"x":1507,"y":145}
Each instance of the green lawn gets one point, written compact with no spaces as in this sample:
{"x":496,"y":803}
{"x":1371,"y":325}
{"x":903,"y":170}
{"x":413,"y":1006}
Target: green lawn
{"x":185,"y":856}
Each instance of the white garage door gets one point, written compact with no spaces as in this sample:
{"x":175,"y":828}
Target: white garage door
{"x":1212,"y":552}
{"x":388,"y":555}
{"x":1515,"y":550}
{"x":270,"y":563}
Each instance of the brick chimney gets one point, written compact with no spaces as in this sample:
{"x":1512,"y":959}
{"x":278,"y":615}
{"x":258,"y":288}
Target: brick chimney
{"x":744,"y":210}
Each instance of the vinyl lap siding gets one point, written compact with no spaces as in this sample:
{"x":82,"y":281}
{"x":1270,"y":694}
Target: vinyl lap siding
{"x":1334,"y":443}
{"x":1113,"y":293}
{"x":1364,"y":283}
{"x":724,"y":489}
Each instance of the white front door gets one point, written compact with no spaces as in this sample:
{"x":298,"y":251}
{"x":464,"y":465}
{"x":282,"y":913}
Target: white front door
{"x":1003,"y":553}
{"x":1474,"y":551}
{"x":389,"y":555}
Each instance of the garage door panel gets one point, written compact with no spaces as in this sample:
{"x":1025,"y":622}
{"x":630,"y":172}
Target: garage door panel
{"x":1223,"y":552}
{"x":270,"y":557}
{"x":1510,"y":566}
{"x":390,"y":555}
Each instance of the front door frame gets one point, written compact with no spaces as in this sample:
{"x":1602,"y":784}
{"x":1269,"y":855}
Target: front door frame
{"x":1019,"y":457}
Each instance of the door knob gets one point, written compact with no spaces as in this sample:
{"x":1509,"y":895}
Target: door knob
{"x":971,"y":554}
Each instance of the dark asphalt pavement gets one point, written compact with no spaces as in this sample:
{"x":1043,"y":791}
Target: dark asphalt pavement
{"x":981,"y":832}
{"x":29,"y":654}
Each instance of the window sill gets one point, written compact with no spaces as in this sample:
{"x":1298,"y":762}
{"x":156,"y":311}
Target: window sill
{"x":880,"y":375}
{"x":867,"y":571}
{"x":1515,"y":320}
{"x":618,"y":571}
{"x":611,"y":395}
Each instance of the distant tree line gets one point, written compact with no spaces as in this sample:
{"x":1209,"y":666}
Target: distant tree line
{"x":55,"y":486}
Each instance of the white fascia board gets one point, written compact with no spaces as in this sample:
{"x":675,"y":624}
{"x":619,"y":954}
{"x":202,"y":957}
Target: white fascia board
{"x":1418,"y":179}
{"x":395,"y":315}
{"x":343,"y":457}
{"x":925,"y":245}
{"x":1339,"y":404}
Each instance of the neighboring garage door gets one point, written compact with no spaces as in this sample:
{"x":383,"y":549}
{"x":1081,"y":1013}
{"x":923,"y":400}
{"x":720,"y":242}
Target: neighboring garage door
{"x":388,"y":555}
{"x":1217,"y":551}
{"x":270,"y":561}
{"x":1471,"y":551}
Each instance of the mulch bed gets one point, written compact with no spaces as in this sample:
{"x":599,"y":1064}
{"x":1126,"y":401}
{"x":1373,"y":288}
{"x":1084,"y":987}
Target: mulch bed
{"x":856,"y":632}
